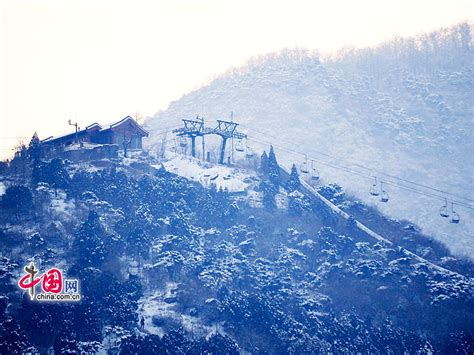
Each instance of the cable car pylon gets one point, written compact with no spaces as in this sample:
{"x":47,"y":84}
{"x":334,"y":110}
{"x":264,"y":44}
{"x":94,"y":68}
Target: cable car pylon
{"x":192,"y":129}
{"x":226,"y":129}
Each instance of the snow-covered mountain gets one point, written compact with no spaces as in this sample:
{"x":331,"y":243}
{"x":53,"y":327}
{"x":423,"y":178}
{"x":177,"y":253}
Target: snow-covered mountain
{"x":181,"y":256}
{"x":400,"y":111}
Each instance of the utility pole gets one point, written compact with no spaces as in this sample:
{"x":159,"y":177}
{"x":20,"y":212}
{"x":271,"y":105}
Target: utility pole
{"x":77,"y":128}
{"x":232,"y":139}
{"x":203,"y":147}
{"x":161,"y":154}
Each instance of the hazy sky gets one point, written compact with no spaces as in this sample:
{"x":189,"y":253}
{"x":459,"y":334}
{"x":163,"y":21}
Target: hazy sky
{"x":102,"y":60}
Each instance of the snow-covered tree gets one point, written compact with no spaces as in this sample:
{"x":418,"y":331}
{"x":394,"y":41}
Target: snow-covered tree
{"x":89,"y":243}
{"x":273,"y":168}
{"x":293,"y":182}
{"x":269,"y":192}
{"x":34,"y":149}
{"x":298,"y":203}
{"x":264,"y":163}
{"x":17,"y":201}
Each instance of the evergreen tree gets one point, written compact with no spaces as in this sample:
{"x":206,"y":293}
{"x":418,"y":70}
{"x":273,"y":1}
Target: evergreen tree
{"x":333,"y":192}
{"x":143,"y":344}
{"x":37,"y":320}
{"x":220,"y":344}
{"x":34,"y":149}
{"x":37,"y":174}
{"x":297,"y":203}
{"x":19,"y":162}
{"x":177,"y":341}
{"x":3,"y":167}
{"x":293,"y":182}
{"x":59,"y":177}
{"x":273,"y":168}
{"x":89,"y":242}
{"x":12,"y":338}
{"x":53,"y":173}
{"x":65,"y":342}
{"x":18,"y":200}
{"x":264,"y":163}
{"x":120,"y":311}
{"x":269,"y":192}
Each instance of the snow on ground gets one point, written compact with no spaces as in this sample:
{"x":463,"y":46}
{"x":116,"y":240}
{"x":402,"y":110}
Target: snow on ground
{"x":159,"y":307}
{"x":355,"y":125}
{"x":85,"y":145}
{"x":62,"y":208}
{"x":225,"y":177}
{"x":281,"y":199}
{"x":82,"y":166}
{"x":232,"y":178}
{"x":255,"y":199}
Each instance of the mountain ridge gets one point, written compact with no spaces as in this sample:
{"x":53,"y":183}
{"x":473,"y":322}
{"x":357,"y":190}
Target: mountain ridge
{"x":402,"y":108}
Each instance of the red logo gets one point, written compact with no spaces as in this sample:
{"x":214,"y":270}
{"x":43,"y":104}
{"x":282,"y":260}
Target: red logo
{"x":52,"y":280}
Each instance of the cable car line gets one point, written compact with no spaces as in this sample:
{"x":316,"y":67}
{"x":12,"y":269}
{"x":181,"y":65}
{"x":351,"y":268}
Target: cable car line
{"x":368,"y":176}
{"x":371,"y":170}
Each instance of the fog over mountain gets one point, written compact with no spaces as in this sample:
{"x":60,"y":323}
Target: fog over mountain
{"x":402,"y":112}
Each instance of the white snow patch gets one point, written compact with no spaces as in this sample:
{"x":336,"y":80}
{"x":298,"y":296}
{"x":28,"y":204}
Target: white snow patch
{"x":85,"y":145}
{"x":62,"y":208}
{"x":225,"y":177}
{"x":154,"y":306}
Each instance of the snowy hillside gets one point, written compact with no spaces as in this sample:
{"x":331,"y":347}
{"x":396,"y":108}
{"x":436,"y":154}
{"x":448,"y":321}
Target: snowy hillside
{"x":400,"y":111}
{"x":234,"y":180}
{"x":243,"y":183}
{"x":170,"y":264}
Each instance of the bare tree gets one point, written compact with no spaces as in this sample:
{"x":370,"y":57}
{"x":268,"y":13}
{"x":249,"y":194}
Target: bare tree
{"x":126,"y":137}
{"x":163,"y":146}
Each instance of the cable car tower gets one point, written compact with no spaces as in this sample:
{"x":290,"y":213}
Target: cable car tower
{"x":226,"y":129}
{"x":192,"y":129}
{"x":195,"y":128}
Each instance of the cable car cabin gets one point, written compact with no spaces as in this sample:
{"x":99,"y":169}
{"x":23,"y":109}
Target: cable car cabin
{"x":304,"y":165}
{"x":443,"y":210}
{"x":374,"y":188}
{"x":126,"y":134}
{"x":314,"y":172}
{"x":383,"y":194}
{"x":239,"y":146}
{"x":455,"y":218}
{"x":304,"y":168}
{"x":248,"y":151}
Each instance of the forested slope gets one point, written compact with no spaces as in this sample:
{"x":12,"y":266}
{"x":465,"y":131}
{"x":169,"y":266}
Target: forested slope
{"x":403,"y":109}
